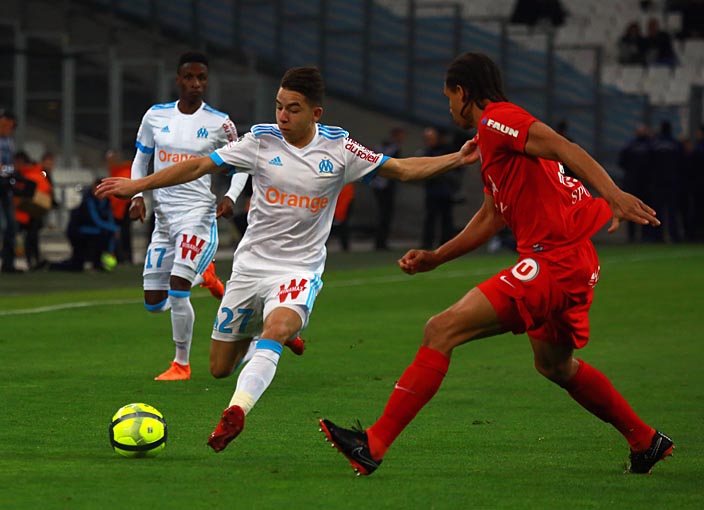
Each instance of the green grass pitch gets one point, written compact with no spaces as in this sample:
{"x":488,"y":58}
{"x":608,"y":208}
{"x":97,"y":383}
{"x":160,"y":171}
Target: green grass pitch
{"x":75,"y":348}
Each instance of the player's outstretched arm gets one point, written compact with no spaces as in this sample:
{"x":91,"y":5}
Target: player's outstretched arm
{"x":411,"y":169}
{"x":485,"y":224}
{"x":185,"y":171}
{"x":546,"y":143}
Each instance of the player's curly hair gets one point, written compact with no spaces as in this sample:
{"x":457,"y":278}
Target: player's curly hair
{"x":192,"y":57}
{"x":306,"y":81}
{"x":479,"y":77}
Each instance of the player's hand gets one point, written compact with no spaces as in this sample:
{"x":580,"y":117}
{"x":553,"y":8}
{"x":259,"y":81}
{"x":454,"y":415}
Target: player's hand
{"x":418,"y":261}
{"x":470,"y":151}
{"x":119,"y":187}
{"x":226,"y":208}
{"x":627,"y":207}
{"x":138,"y":210}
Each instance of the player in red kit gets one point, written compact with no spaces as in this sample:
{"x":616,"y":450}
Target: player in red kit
{"x":546,"y":294}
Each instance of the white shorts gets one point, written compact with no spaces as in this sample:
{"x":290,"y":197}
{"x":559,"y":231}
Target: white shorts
{"x":248,"y":300}
{"x":184,"y":248}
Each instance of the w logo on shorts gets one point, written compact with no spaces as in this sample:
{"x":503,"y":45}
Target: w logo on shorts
{"x":192,"y":246}
{"x":293,"y":289}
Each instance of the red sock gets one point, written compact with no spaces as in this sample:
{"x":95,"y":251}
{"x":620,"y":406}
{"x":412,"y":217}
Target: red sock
{"x":597,"y":395}
{"x":416,"y":387}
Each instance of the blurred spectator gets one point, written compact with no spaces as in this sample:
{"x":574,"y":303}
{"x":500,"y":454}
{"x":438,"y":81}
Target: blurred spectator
{"x":48,"y":163}
{"x":631,"y":45}
{"x":688,"y":192}
{"x":696,"y":183}
{"x":8,"y":225}
{"x":385,"y":189}
{"x":91,"y":232}
{"x":668,"y":160}
{"x":341,"y":218}
{"x":635,"y":159}
{"x":658,"y":45}
{"x":31,"y":209}
{"x":692,"y":17}
{"x":538,"y":12}
{"x":119,"y":167}
{"x":439,"y":195}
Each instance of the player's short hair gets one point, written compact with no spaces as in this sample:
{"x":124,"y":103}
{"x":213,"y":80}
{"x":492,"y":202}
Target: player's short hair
{"x":192,"y":57}
{"x":479,"y":77}
{"x":306,"y":81}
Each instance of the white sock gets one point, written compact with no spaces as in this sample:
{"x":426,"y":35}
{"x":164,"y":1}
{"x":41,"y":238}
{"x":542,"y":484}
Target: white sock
{"x":182,"y":319}
{"x":256,"y":377}
{"x":199,"y":279}
{"x":249,"y":354}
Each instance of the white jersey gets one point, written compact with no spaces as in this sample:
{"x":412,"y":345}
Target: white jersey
{"x":294,"y":194}
{"x":172,"y":136}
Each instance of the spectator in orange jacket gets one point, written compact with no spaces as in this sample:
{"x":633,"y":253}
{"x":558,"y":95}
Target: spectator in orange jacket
{"x":340,"y":222}
{"x":31,"y":209}
{"x":119,"y":167}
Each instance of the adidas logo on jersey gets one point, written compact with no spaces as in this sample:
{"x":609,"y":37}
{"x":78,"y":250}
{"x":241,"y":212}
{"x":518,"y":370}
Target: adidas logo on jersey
{"x":276,"y":161}
{"x":165,"y":129}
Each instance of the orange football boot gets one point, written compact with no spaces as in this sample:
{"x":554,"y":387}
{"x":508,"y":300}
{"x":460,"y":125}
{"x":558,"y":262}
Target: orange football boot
{"x":212,"y":282}
{"x":176,"y":372}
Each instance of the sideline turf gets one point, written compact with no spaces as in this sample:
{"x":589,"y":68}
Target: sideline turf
{"x":496,"y":436}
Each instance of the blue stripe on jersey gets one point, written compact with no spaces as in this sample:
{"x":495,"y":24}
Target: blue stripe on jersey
{"x":163,"y":106}
{"x":267,"y":129}
{"x":180,"y":293}
{"x":270,"y":345}
{"x":219,"y":161}
{"x":331,"y":132}
{"x":367,"y":178}
{"x":209,"y":253}
{"x":210,"y":109}
{"x":144,"y":148}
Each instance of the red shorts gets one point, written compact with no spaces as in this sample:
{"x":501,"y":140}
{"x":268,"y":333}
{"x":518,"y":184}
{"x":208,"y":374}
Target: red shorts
{"x":547,"y":295}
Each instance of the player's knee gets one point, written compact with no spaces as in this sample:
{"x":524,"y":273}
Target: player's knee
{"x":219,"y":370}
{"x":437,"y":334}
{"x":555,"y":372}
{"x":156,"y":306}
{"x":444,"y":334}
{"x":279,"y":332}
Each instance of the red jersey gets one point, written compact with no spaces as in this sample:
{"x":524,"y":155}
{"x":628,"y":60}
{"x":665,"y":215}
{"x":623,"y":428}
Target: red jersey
{"x":543,"y":207}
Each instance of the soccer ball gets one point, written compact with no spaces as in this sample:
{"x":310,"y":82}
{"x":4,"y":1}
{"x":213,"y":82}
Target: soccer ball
{"x":138,"y":430}
{"x":108,"y":261}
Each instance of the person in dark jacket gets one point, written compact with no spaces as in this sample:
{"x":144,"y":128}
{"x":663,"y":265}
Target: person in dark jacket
{"x":91,"y":232}
{"x":635,"y":159}
{"x":668,"y":165}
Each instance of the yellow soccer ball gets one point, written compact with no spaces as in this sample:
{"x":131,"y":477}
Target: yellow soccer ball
{"x":108,"y":261}
{"x":138,"y":430}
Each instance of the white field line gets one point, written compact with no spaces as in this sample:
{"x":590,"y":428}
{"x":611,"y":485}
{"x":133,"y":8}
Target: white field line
{"x":400,"y":278}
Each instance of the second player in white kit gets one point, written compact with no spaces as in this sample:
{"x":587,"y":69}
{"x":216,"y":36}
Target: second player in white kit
{"x":185,"y":237}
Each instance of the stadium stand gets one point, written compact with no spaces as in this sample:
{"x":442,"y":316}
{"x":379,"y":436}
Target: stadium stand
{"x":385,"y":55}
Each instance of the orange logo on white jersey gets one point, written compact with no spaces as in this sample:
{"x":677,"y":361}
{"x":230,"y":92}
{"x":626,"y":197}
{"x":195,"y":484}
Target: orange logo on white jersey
{"x":313,"y":204}
{"x":174,"y":157}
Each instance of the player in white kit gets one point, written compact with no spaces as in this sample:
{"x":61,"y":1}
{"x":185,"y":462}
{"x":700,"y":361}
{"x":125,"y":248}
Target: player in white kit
{"x":298,"y":168}
{"x":185,"y":238}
